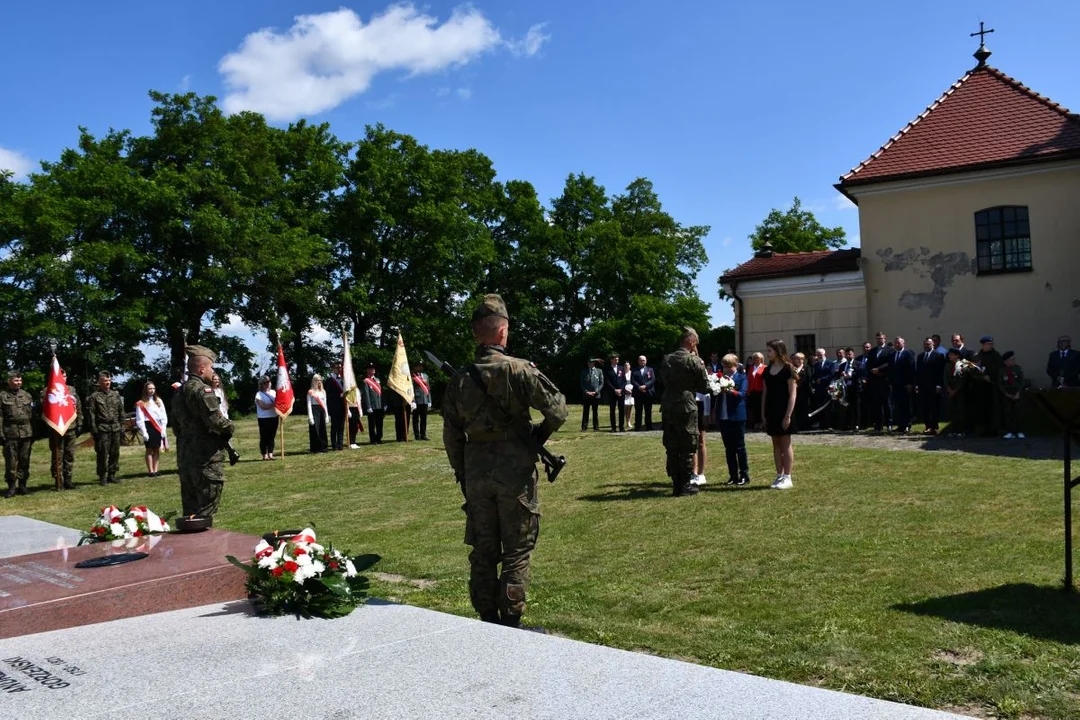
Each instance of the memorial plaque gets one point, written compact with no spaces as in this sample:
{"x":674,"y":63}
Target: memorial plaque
{"x":45,"y":591}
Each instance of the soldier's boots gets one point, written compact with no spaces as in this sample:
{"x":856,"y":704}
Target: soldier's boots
{"x":490,"y":617}
{"x":114,"y":480}
{"x":68,"y":485}
{"x":21,"y":490}
{"x":10,"y":492}
{"x":102,"y":482}
{"x":682,"y":489}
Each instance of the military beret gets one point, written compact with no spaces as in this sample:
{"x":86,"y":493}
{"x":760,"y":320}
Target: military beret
{"x":492,"y":305}
{"x":986,"y":339}
{"x":371,"y":364}
{"x":1008,"y":354}
{"x":200,"y":351}
{"x":14,"y":374}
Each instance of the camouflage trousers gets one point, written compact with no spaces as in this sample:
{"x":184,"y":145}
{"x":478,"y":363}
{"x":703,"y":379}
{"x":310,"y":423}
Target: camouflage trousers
{"x":681,"y":443}
{"x":107,"y":447}
{"x":17,"y":461}
{"x":502,"y":527}
{"x":202,"y":479}
{"x":62,"y":446}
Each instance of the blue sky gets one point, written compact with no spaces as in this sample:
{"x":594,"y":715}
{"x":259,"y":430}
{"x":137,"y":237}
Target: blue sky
{"x":730,"y":109}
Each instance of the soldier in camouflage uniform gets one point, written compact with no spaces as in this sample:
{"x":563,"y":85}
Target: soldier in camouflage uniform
{"x":485,"y":429}
{"x":64,"y":445}
{"x":683,"y":374}
{"x":105,"y":411}
{"x":17,"y":409}
{"x":202,"y":434}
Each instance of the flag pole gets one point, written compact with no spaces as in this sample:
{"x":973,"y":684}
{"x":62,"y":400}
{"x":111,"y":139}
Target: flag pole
{"x":56,"y":460}
{"x":281,"y":432}
{"x":408,"y":421}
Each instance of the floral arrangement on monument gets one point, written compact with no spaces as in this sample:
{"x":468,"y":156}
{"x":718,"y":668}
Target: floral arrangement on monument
{"x":966,"y":368}
{"x":134,"y":521}
{"x":298,"y":576}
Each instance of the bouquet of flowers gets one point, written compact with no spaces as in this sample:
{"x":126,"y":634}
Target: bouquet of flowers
{"x":717,"y":384}
{"x":134,"y":521}
{"x":301,"y":577}
{"x":966,"y":368}
{"x":838,"y":392}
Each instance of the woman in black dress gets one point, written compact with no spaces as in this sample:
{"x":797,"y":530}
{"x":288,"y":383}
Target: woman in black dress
{"x":801,"y":416}
{"x":777,"y":406}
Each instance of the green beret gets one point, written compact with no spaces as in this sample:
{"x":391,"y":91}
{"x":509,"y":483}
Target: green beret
{"x":200,"y":351}
{"x":492,"y":305}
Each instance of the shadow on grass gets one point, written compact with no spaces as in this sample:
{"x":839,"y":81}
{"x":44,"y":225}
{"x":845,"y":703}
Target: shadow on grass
{"x":630,"y":491}
{"x":1046,"y":613}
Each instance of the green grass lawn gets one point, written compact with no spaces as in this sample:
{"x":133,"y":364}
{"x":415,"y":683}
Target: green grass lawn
{"x":921,"y":577}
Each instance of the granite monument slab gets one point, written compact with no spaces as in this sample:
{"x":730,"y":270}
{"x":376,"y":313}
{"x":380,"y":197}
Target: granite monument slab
{"x":22,"y":535}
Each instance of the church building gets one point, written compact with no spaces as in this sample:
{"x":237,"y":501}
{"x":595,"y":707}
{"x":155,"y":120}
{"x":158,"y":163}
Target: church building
{"x":969,"y":220}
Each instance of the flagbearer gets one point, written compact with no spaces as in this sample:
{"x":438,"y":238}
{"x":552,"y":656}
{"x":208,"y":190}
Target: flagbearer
{"x":61,"y":408}
{"x":202,"y":433}
{"x":105,"y":409}
{"x":17,"y":408}
{"x":372,"y":404}
{"x":422,"y":393}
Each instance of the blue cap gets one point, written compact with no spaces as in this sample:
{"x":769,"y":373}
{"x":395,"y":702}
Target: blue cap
{"x":986,"y":339}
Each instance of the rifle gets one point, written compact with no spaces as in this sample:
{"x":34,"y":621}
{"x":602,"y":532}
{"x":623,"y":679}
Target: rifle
{"x":553,"y":464}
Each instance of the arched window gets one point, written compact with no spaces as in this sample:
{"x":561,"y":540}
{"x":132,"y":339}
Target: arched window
{"x":1003,"y":239}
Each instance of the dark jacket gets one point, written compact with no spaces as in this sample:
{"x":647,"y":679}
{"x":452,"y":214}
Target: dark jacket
{"x":901,"y":368}
{"x":613,"y":380}
{"x":735,"y":399}
{"x":1067,"y":368}
{"x":929,"y":371}
{"x":643,"y":376}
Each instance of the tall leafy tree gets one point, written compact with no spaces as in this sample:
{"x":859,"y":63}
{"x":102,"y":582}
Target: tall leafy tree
{"x":796,"y":230}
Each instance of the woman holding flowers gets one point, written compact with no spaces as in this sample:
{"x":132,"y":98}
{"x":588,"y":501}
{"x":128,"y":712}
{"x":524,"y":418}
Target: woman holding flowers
{"x":730,"y":413}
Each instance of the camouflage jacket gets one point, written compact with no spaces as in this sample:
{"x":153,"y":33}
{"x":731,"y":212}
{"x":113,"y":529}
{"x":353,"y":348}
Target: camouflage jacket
{"x":17,"y":407}
{"x":683,"y":375}
{"x":196,"y":416}
{"x":105,"y":411}
{"x":483,"y":430}
{"x":75,"y":427}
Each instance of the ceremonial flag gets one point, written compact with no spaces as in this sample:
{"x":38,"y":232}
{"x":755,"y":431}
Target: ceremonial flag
{"x":348,"y":377}
{"x":59,"y":410}
{"x":400,"y":379}
{"x":283,"y":398}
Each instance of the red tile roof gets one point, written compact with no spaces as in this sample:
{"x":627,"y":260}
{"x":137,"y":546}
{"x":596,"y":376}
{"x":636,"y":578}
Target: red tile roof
{"x":781,"y":265}
{"x":985,"y":119}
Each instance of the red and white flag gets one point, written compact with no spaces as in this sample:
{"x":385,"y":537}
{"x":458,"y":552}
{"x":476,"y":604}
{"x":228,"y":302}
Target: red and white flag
{"x":59,"y":409}
{"x":283,"y":398}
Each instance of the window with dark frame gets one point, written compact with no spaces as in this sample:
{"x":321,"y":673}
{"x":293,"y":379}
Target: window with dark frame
{"x":806,"y":344}
{"x":1003,"y":240}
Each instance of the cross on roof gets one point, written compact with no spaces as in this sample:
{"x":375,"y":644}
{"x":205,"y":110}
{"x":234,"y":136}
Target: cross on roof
{"x":982,"y":34}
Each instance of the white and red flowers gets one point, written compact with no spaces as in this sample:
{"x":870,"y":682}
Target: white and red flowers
{"x":133,"y":522}
{"x":301,"y":558}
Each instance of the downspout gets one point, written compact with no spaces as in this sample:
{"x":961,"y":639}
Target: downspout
{"x":738,"y":320}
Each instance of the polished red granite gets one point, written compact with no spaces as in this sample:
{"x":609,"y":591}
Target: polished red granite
{"x":45,"y":591}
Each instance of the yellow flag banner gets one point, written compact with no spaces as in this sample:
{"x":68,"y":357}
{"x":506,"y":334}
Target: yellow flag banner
{"x":348,"y":377}
{"x":400,"y":379}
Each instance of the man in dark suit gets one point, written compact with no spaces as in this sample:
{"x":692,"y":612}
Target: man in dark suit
{"x":335,"y":407}
{"x":842,"y":371}
{"x":902,"y":384}
{"x":613,"y":390}
{"x":1063,"y":365}
{"x":877,"y":385}
{"x":958,"y":343}
{"x":860,"y":396}
{"x":643,"y":378}
{"x":821,"y":374}
{"x":929,"y":371}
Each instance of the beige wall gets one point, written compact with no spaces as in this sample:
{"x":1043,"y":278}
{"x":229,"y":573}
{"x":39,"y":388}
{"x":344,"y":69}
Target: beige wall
{"x":918,"y":259}
{"x":836,"y":317}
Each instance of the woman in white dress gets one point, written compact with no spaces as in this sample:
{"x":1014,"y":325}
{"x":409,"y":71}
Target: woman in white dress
{"x":151,"y":420}
{"x":628,"y":396}
{"x":316,"y":415}
{"x":268,"y":418}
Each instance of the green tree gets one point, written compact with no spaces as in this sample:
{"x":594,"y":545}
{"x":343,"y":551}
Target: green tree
{"x":796,"y":230}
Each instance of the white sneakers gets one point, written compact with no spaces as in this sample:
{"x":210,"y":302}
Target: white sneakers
{"x":354,"y":446}
{"x":1010,"y":436}
{"x":697,"y":479}
{"x":782,"y":482}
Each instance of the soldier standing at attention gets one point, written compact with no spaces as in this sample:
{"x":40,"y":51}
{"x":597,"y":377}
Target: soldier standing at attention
{"x":683,"y":374}
{"x":372,"y":404}
{"x":65,"y":443}
{"x":202,"y":433}
{"x":17,"y":408}
{"x":422,"y":392}
{"x":105,"y":409}
{"x":485,"y":430}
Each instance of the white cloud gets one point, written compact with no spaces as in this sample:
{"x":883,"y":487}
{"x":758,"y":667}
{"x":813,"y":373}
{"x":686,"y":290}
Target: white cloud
{"x":532,"y":42}
{"x":840,"y":202}
{"x":442,"y":92}
{"x":326,"y":58}
{"x":726,"y":242}
{"x":16,"y":162}
{"x":464,"y":93}
{"x":185,"y":83}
